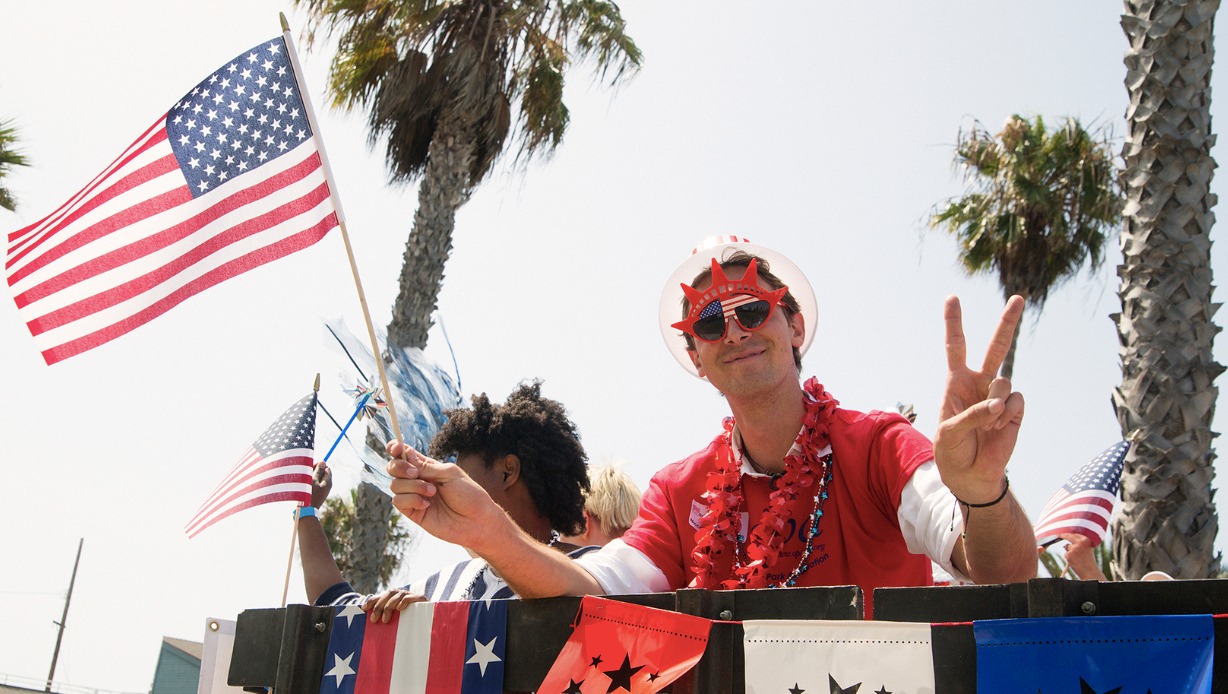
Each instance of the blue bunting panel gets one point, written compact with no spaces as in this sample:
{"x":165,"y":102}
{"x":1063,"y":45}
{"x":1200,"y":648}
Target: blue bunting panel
{"x":1095,"y":655}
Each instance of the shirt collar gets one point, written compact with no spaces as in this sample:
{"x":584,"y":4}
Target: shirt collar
{"x":735,"y":440}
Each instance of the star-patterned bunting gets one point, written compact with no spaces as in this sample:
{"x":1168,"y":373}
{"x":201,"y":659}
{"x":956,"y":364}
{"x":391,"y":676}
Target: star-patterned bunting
{"x":653,"y":647}
{"x":427,"y":647}
{"x":837,"y":689}
{"x":621,"y":678}
{"x":840,"y":657}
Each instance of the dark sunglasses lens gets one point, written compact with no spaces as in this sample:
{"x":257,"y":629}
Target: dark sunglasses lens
{"x":754,"y":314}
{"x":710,"y":329}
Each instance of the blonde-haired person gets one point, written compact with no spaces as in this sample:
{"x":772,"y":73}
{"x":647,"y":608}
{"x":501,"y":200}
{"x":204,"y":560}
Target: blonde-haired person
{"x":611,"y":505}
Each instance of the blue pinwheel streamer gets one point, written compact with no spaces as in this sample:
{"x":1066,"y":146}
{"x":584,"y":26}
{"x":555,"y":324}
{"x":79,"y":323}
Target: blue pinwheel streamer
{"x":421,"y":393}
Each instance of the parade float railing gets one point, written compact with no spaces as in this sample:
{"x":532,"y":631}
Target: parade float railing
{"x":284,"y":649}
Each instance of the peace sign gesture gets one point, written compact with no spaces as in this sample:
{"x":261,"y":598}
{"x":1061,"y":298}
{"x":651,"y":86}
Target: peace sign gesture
{"x":980,"y":416}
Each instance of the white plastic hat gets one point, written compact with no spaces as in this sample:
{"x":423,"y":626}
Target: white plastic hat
{"x":721,"y":247}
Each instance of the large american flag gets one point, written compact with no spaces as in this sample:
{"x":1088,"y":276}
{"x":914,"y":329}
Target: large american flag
{"x":1084,"y":504}
{"x":229,"y":179}
{"x":277,"y":467}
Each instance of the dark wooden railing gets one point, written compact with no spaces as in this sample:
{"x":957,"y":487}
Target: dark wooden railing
{"x":284,"y":648}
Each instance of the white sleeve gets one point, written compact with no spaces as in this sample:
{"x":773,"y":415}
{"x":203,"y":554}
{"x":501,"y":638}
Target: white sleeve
{"x":623,"y":570}
{"x":929,"y":519}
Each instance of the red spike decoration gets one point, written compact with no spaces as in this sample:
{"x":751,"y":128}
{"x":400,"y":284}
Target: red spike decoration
{"x":723,"y":288}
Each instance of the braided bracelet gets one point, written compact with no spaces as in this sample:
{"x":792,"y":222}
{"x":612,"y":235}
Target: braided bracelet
{"x":1001,"y":496}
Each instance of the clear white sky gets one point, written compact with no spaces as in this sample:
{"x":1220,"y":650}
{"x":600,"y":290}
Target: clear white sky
{"x":821,"y":129}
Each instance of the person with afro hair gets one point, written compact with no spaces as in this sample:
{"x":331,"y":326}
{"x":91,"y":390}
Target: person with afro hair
{"x":525,"y":453}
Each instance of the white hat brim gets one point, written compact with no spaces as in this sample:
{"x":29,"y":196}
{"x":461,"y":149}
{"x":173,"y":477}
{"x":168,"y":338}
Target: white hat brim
{"x":670,"y":310}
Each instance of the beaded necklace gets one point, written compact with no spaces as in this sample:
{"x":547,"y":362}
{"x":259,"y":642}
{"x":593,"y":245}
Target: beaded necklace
{"x":751,"y":558}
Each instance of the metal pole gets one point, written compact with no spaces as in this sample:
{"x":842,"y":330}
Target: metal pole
{"x":64,"y":618}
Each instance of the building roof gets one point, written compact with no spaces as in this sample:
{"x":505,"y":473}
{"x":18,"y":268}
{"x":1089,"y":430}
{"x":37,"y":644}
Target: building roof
{"x":192,"y":648}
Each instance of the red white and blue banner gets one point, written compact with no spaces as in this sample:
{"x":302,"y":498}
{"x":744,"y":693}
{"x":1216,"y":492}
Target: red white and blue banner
{"x":835,"y":656}
{"x":619,"y":646}
{"x":439,"y":647}
{"x":1095,"y":655}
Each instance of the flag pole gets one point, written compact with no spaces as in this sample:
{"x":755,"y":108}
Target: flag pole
{"x":285,"y":589}
{"x":345,"y":236}
{"x":294,"y":533}
{"x":366,"y":315}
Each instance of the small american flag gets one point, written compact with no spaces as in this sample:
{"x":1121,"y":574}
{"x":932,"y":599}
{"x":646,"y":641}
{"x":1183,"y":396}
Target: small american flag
{"x":229,"y":179}
{"x":277,"y":467}
{"x":1084,"y":504}
{"x":726,"y":307}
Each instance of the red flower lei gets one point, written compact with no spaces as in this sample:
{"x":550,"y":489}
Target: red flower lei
{"x":716,"y":542}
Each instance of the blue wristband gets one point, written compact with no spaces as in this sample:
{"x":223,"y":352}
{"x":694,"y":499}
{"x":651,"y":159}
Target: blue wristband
{"x":304,"y":512}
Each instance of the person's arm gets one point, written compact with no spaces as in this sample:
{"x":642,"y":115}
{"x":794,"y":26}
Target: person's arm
{"x":1079,"y":556}
{"x":320,"y":570}
{"x":978,"y":427}
{"x":447,"y":504}
{"x":381,"y":606}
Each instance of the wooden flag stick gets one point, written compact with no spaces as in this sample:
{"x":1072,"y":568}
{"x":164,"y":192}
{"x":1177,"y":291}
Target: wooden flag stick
{"x":345,"y":236}
{"x":285,"y":589}
{"x":366,"y":315}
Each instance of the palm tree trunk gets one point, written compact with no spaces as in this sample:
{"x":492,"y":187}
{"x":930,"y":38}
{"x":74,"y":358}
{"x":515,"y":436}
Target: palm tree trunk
{"x":368,"y":537}
{"x":1167,"y":520}
{"x":1012,"y":286}
{"x":445,"y":187}
{"x":1008,"y":362}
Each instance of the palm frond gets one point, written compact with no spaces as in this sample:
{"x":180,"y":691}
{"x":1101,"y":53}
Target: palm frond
{"x":484,"y":61}
{"x":1040,"y":203}
{"x":9,"y":157}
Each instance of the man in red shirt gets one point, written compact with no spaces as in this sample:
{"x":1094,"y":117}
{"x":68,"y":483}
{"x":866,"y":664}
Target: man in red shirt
{"x":795,"y":490}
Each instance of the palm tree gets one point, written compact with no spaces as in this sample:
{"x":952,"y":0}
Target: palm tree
{"x":1039,"y":205}
{"x":9,"y":157}
{"x":450,"y":85}
{"x":337,"y":517}
{"x":1167,"y":520}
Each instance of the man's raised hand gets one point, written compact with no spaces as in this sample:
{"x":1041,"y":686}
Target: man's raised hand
{"x":440,"y":497}
{"x":980,"y":415}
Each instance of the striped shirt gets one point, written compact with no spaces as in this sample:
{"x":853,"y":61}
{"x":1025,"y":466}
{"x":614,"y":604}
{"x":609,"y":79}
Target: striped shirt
{"x":472,"y":579}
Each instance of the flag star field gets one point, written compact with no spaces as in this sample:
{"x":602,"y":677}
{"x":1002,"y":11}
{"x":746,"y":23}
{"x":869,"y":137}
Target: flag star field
{"x":247,"y":113}
{"x":294,"y":429}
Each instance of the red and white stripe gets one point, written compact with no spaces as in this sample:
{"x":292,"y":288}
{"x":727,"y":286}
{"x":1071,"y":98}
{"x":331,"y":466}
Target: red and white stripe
{"x":714,"y":241}
{"x":730,"y":305}
{"x":1086,"y":513}
{"x":285,"y":476}
{"x":421,"y":650}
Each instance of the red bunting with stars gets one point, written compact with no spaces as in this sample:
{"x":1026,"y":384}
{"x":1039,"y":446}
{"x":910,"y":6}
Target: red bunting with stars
{"x":621,"y":647}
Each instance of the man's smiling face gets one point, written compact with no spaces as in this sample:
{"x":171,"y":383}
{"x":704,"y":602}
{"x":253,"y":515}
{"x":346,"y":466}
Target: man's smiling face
{"x":746,"y":362}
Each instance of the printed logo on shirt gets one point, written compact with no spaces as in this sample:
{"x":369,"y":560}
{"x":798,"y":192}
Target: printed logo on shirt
{"x":699,"y":508}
